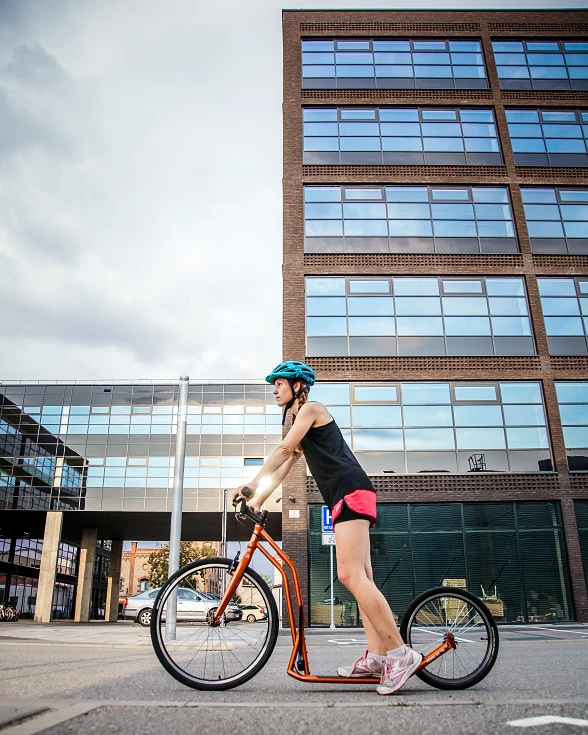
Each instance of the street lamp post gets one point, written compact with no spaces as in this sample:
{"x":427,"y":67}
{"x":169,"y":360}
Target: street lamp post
{"x":175,"y":534}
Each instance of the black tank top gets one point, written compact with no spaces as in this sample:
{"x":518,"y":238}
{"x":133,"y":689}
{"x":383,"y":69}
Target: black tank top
{"x":332,"y":464}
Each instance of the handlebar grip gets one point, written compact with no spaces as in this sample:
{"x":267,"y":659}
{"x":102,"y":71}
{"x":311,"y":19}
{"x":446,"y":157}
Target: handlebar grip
{"x":247,"y":492}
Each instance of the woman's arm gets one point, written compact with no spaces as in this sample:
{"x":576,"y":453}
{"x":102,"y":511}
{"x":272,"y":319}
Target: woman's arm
{"x":274,"y":481}
{"x":282,"y":459}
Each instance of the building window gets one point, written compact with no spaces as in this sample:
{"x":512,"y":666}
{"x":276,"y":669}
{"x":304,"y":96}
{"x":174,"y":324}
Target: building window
{"x":511,"y":555}
{"x":101,"y":567}
{"x":67,"y":559}
{"x":417,"y":316}
{"x":400,"y":136}
{"x":5,"y":550}
{"x":62,"y":607}
{"x":541,"y":64}
{"x":573,"y":410}
{"x":441,"y":427}
{"x":411,"y":219}
{"x":22,"y":593}
{"x":582,"y":521}
{"x":397,"y":64}
{"x":557,"y":220}
{"x":565,"y":310}
{"x":143,"y":585}
{"x":27,"y":552}
{"x":548,"y":137}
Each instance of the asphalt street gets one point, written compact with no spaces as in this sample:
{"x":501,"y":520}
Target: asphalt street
{"x":63,"y":679}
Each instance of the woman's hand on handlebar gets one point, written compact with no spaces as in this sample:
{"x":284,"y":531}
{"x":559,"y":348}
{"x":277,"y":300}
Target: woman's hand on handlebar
{"x":244,"y":492}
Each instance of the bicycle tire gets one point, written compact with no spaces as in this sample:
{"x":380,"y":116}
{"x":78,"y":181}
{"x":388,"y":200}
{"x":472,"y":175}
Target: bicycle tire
{"x":454,"y":610}
{"x":225,"y":672}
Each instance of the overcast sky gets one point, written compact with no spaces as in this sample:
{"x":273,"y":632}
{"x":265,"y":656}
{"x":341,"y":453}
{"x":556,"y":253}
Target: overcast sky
{"x":140,"y":186}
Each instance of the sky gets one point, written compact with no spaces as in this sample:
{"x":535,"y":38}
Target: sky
{"x":140,"y":186}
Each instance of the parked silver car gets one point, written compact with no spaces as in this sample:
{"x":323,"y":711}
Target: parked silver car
{"x":192,"y":606}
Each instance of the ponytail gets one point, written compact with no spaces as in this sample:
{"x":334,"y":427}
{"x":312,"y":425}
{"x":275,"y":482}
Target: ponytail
{"x":302,"y":398}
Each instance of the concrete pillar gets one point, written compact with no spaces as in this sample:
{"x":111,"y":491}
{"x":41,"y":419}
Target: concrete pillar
{"x":112,"y":591}
{"x":85,"y":575}
{"x":131,"y":584}
{"x":48,"y":567}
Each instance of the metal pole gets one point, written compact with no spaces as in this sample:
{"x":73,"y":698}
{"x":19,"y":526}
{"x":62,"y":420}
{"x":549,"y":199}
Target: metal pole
{"x":332,"y":593}
{"x":224,"y":524}
{"x":175,"y":533}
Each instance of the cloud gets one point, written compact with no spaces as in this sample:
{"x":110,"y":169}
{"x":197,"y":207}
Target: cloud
{"x":32,"y":65}
{"x":140,"y":187}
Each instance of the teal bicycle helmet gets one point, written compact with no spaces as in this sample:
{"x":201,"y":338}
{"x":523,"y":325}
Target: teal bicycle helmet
{"x":292,"y":370}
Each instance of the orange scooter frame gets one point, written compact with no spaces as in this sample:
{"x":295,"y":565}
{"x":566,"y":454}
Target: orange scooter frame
{"x":298,"y":666}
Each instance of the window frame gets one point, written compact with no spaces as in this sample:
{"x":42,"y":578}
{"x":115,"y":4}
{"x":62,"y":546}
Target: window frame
{"x":336,"y":149}
{"x":333,"y":233}
{"x":537,"y":82}
{"x":399,"y":322}
{"x":327,"y":70}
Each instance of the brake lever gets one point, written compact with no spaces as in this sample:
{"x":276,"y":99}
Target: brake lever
{"x":245,"y":511}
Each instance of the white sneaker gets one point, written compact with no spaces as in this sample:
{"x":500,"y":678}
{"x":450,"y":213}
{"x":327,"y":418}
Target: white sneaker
{"x":398,"y":671}
{"x":362,"y":667}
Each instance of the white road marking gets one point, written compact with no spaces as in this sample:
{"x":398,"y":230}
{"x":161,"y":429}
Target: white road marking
{"x":547,"y":720}
{"x":584,"y":633}
{"x":347,"y":641}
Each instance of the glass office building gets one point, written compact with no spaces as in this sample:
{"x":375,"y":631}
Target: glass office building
{"x":436,"y":274}
{"x":102,"y":452}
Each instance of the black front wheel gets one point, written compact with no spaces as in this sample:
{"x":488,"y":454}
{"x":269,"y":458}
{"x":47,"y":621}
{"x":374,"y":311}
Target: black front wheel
{"x":200,"y":654}
{"x":444,"y":610}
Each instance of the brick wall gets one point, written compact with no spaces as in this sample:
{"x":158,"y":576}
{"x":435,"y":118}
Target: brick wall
{"x":422,"y":24}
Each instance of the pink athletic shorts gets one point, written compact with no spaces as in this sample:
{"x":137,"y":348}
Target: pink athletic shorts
{"x":358,"y":504}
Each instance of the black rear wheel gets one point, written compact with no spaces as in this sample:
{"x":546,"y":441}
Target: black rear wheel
{"x":444,"y":610}
{"x":206,"y":656}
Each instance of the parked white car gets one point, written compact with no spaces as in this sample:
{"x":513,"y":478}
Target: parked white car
{"x":192,"y":606}
{"x":253,"y":613}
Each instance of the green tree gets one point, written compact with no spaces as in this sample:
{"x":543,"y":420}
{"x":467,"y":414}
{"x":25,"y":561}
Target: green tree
{"x":267,"y":578}
{"x":159,"y":560}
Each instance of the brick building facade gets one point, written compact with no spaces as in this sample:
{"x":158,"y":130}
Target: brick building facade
{"x":134,"y":570}
{"x":568,"y":489}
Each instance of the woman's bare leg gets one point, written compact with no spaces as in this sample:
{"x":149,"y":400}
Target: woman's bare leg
{"x":352,"y":546}
{"x":375,"y":644}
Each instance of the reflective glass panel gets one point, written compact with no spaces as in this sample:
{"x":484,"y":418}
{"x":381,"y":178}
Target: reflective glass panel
{"x":409,"y":315}
{"x":401,"y":60}
{"x":376,"y":393}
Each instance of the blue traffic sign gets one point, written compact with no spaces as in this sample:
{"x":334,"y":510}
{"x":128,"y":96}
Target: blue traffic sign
{"x":327,"y":520}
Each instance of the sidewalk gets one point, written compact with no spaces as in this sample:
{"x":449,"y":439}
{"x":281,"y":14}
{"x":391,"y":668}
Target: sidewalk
{"x":123,"y":632}
{"x":126,"y":633}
